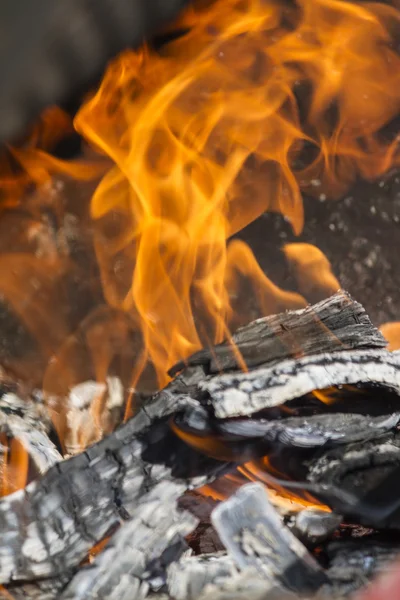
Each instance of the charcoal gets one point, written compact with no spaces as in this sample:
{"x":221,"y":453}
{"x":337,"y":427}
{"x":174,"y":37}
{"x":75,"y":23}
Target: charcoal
{"x":46,"y":589}
{"x":313,"y":526}
{"x":313,"y":431}
{"x":354,"y":562}
{"x":51,"y":525}
{"x":255,"y":536}
{"x":188,"y":577}
{"x":122,"y":569}
{"x":361,"y":480}
{"x":106,"y":491}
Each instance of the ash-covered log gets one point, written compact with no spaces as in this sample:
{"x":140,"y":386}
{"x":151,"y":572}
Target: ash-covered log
{"x":205,"y":424}
{"x":28,"y":422}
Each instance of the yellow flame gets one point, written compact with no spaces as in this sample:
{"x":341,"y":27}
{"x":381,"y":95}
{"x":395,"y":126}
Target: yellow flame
{"x":205,"y":137}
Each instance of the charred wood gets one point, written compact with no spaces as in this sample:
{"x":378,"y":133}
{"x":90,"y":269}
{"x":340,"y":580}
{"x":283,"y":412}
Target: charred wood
{"x":354,"y":562}
{"x":312,"y":526}
{"x":51,"y":525}
{"x":361,"y":481}
{"x":337,"y":323}
{"x":189,"y":577}
{"x":46,"y":589}
{"x":255,"y":536}
{"x":28,"y":422}
{"x":136,"y":552}
{"x":240,"y":394}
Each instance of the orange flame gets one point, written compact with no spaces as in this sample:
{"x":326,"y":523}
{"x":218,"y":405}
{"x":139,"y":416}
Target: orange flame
{"x":32,"y":164}
{"x":206,"y":136}
{"x":391,"y":331}
{"x":312,"y":270}
{"x":14,"y":465}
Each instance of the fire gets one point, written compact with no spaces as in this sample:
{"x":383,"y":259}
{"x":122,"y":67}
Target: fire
{"x":213,"y":131}
{"x":20,"y":168}
{"x":391,"y":331}
{"x":312,"y":270}
{"x":14,"y":465}
{"x":257,"y":102}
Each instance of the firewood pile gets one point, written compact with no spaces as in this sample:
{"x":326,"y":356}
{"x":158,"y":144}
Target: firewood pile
{"x":304,"y":446}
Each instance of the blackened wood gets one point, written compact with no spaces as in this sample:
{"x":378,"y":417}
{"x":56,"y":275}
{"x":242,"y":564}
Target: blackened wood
{"x":312,"y":431}
{"x":51,"y":525}
{"x":29,"y":423}
{"x":47,"y":589}
{"x":255,"y":536}
{"x":354,"y":562}
{"x":238,"y":394}
{"x":122,"y":570}
{"x":361,"y":480}
{"x":337,"y":323}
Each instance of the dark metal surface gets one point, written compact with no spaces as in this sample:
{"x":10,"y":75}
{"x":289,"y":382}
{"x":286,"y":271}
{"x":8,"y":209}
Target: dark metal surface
{"x":49,"y":49}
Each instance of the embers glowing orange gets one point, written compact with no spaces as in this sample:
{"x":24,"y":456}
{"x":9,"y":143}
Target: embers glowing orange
{"x":228,"y":121}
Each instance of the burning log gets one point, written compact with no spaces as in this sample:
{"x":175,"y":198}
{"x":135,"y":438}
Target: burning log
{"x":335,"y":323}
{"x":194,"y":431}
{"x":137,"y":552}
{"x":52,"y":524}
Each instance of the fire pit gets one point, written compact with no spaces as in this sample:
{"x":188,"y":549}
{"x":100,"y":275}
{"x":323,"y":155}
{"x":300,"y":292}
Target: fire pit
{"x":191,"y":406}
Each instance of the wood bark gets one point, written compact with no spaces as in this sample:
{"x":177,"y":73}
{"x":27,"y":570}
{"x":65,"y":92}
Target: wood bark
{"x":337,"y":323}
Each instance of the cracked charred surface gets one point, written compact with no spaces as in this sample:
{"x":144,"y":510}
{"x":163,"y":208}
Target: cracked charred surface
{"x":121,"y":570}
{"x":237,"y":394}
{"x":51,"y":525}
{"x":337,"y":322}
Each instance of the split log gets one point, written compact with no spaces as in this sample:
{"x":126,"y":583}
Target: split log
{"x":310,"y":431}
{"x":361,"y":480}
{"x":241,"y":394}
